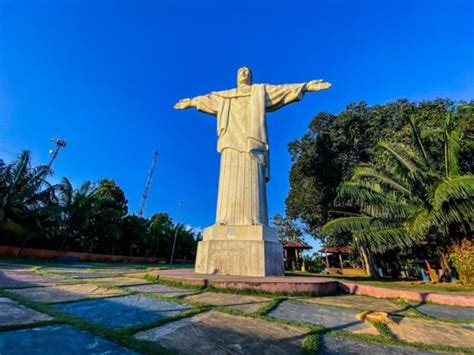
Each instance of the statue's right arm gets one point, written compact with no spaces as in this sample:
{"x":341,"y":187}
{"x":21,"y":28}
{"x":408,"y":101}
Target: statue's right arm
{"x":206,"y":103}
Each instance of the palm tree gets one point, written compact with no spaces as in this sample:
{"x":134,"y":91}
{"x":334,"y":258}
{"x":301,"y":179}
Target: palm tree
{"x":22,"y":200}
{"x":409,"y":193}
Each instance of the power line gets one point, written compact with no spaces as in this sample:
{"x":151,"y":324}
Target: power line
{"x":8,"y":152}
{"x":141,"y":207}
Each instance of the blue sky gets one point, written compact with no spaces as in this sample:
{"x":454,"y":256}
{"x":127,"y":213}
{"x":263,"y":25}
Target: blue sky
{"x":104,"y":75}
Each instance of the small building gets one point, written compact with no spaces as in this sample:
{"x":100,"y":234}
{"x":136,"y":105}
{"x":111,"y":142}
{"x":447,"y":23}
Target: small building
{"x":293,"y":254}
{"x":339,"y":260}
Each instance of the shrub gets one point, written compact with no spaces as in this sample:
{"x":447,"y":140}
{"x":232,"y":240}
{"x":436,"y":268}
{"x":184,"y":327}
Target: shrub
{"x":462,"y":256}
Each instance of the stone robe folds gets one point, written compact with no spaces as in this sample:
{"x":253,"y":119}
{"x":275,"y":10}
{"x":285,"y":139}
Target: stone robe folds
{"x":243,"y":145}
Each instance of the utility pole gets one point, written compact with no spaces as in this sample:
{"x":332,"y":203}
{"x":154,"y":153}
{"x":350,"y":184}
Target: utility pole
{"x":181,"y":204}
{"x":141,"y":207}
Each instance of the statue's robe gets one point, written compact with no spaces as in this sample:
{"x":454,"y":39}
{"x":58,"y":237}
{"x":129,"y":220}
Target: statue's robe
{"x":243,"y":145}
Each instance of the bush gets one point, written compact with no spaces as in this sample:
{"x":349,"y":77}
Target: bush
{"x":313,"y":263}
{"x":462,"y":256}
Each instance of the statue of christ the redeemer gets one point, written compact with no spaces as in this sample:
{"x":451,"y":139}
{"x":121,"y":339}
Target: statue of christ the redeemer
{"x":244,"y":171}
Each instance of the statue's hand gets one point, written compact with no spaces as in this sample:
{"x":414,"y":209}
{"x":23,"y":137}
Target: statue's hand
{"x":317,"y":85}
{"x":183,"y":104}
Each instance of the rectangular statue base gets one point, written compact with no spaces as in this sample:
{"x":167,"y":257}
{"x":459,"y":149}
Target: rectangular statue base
{"x":240,"y":250}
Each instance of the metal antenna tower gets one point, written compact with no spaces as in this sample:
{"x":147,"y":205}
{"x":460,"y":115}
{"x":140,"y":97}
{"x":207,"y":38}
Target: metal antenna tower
{"x":141,"y":207}
{"x":60,"y":143}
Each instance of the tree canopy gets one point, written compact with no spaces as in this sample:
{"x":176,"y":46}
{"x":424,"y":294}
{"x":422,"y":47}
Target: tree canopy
{"x":325,"y":156}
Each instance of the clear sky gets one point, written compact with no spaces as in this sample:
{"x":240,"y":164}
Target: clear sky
{"x":104,"y":75}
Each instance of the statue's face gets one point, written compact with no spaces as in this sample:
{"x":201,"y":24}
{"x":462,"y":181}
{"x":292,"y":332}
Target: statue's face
{"x":244,"y":76}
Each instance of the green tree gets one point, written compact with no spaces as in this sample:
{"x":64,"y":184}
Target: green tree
{"x":22,"y":200}
{"x":410,"y":193}
{"x":288,"y":230}
{"x":134,"y":235}
{"x":161,"y":229}
{"x":325,"y":156}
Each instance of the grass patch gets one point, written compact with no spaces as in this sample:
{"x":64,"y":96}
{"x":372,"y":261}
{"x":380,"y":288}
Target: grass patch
{"x":310,"y":344}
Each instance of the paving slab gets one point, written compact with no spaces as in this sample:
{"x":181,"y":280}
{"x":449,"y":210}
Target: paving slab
{"x":137,"y":275}
{"x":328,"y":317}
{"x":446,"y":312}
{"x":17,"y":279}
{"x":162,"y":290}
{"x":85,"y":275}
{"x":120,"y":281}
{"x":65,"y":293}
{"x":358,"y":302}
{"x":12,"y":313}
{"x":56,"y":340}
{"x":239,"y":302}
{"x":14,"y":267}
{"x":121,"y":312}
{"x":331,"y":345}
{"x":431,"y":332}
{"x":220,"y":333}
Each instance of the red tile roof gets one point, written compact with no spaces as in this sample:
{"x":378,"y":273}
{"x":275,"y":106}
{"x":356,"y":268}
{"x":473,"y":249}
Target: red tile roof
{"x":300,"y":245}
{"x":347,"y":249}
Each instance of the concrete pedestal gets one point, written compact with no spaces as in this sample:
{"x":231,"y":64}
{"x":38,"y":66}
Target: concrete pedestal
{"x":240,"y":250}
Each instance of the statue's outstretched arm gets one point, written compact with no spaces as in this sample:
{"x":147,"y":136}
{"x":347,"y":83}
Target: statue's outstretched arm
{"x":317,"y":85}
{"x":184,"y":104}
{"x":282,"y":95}
{"x":206,"y":103}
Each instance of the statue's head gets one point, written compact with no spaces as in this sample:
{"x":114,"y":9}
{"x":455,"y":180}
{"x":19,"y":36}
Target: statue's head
{"x":244,"y":76}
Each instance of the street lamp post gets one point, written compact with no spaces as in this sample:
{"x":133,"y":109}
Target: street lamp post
{"x":181,"y":204}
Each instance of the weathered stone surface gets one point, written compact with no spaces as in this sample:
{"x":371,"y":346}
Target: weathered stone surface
{"x":446,"y":312}
{"x":86,"y":275}
{"x":251,"y":251}
{"x":64,"y":293}
{"x":56,"y":340}
{"x":121,"y":312}
{"x":120,"y":281}
{"x":12,"y":313}
{"x":357,"y":302}
{"x":240,"y":302}
{"x":137,"y":275}
{"x":431,"y":332}
{"x":219,"y":333}
{"x":162,"y":290}
{"x":328,"y":317}
{"x":17,"y":279}
{"x":331,"y":345}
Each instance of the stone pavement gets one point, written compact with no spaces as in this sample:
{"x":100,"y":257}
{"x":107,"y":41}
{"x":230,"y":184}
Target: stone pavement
{"x":150,"y":318}
{"x":122,"y":312}
{"x":56,"y":339}
{"x":162,"y":290}
{"x":20,"y":279}
{"x":13,"y":313}
{"x":331,"y":345}
{"x":220,"y":333}
{"x":357,"y":302}
{"x":327,"y":317}
{"x":238,"y":302}
{"x":446,"y":312}
{"x":65,"y":293}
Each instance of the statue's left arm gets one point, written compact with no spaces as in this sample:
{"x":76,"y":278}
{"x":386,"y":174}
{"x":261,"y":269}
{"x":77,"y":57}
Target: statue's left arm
{"x":281,"y":95}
